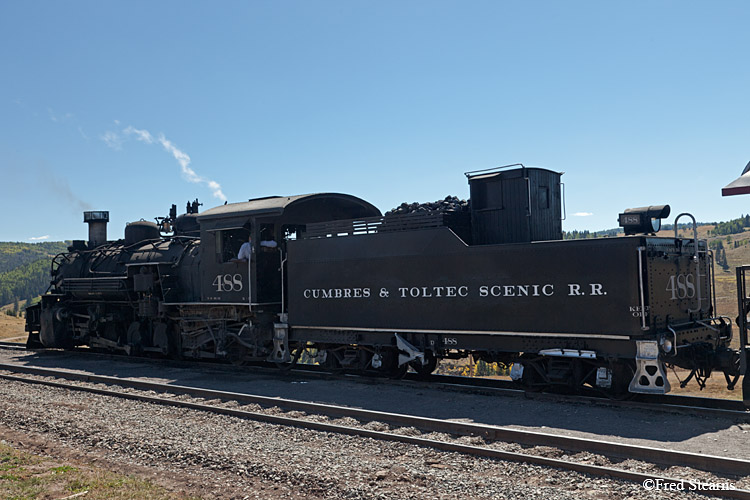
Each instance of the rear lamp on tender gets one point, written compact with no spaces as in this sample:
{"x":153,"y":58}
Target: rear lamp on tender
{"x":643,"y":220}
{"x":666,"y":344}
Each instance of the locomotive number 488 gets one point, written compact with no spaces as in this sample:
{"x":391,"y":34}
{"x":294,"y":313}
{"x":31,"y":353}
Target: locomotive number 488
{"x":681,"y":286}
{"x":228,"y":282}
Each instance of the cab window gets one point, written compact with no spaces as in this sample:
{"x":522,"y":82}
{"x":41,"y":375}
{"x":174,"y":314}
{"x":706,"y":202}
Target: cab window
{"x":292,"y":231}
{"x":228,"y":243}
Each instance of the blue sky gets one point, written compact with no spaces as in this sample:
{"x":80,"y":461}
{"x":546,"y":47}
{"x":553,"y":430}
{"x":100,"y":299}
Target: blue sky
{"x":132,"y":106}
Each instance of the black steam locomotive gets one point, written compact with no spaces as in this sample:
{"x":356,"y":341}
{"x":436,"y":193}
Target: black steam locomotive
{"x":330,"y":277}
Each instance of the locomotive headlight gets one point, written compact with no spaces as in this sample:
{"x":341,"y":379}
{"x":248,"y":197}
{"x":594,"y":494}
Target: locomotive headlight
{"x":643,"y":220}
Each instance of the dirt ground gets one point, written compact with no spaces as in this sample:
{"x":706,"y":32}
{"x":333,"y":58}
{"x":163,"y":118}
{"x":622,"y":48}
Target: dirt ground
{"x":716,"y":386}
{"x":12,"y":327}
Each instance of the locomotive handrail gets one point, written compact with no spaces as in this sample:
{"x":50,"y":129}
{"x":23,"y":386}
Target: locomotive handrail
{"x":282,"y":258}
{"x":528,"y":193}
{"x":695,"y":257}
{"x":54,"y":265}
{"x":712,"y":289}
{"x":644,"y":326}
{"x":185,"y":249}
{"x":743,"y":301}
{"x":674,"y":340}
{"x":695,"y":226}
{"x":726,"y":320}
{"x":383,"y":223}
{"x":710,"y":326}
{"x":468,"y":174}
{"x":250,"y":283}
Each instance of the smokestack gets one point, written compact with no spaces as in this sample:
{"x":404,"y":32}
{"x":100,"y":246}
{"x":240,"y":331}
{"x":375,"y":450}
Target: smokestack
{"x":97,"y":222}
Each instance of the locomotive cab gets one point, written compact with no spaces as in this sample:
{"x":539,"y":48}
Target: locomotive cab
{"x":230,"y":278}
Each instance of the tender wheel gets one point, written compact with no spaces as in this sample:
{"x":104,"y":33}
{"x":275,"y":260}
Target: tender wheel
{"x":54,"y":330}
{"x":237,"y":355}
{"x":135,"y":338}
{"x":164,"y":338}
{"x":622,"y":374}
{"x":385,"y":363}
{"x":533,"y":378}
{"x":332,"y":361}
{"x":296,"y":353}
{"x":399,"y":372}
{"x":424,"y":370}
{"x":33,"y":342}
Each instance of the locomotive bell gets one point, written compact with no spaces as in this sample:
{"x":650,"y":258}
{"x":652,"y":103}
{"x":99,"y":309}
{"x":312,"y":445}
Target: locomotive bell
{"x":97,"y":221}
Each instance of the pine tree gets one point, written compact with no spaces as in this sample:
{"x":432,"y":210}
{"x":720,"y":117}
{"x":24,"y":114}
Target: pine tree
{"x":15,"y":307}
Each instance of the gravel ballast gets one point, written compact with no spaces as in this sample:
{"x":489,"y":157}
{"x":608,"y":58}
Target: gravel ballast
{"x":228,"y":457}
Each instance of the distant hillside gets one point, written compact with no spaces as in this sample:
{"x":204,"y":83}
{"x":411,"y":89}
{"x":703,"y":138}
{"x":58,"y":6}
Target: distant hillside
{"x":24,"y":269}
{"x":734,"y":226}
{"x":24,"y":282}
{"x":665,"y":228}
{"x":13,"y":255}
{"x":584,"y":235}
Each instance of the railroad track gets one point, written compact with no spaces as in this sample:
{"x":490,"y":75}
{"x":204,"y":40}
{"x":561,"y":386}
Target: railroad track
{"x":673,"y":403}
{"x":14,"y":346}
{"x":690,"y":404}
{"x":216,"y":402}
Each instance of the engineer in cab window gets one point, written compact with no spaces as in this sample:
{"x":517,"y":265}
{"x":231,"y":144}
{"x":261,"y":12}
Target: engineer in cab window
{"x":246,"y":250}
{"x":267,"y":243}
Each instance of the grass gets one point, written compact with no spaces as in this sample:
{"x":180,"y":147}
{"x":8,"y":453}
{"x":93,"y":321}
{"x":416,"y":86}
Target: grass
{"x":24,"y":476}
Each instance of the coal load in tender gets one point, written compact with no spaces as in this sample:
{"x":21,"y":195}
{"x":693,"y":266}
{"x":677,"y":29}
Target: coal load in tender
{"x":449,"y":204}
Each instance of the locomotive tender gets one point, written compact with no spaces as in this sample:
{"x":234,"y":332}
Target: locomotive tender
{"x":331,"y":277}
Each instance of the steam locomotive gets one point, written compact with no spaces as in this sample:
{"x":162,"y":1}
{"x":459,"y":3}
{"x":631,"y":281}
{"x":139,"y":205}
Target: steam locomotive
{"x":332,"y":279}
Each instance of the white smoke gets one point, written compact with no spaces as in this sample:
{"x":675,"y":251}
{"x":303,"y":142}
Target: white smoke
{"x":112,"y":139}
{"x":115,"y":140}
{"x":141,"y":135}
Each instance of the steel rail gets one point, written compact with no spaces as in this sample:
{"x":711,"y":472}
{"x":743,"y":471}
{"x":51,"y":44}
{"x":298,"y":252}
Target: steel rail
{"x":15,"y":346}
{"x":694,"y":404}
{"x":659,"y":456}
{"x":671,"y":402}
{"x":595,"y":470}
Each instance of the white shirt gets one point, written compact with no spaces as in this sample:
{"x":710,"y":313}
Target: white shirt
{"x":268,"y":244}
{"x":246,"y":250}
